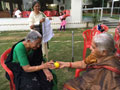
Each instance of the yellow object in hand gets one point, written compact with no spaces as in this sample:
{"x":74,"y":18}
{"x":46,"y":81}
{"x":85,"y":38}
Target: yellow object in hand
{"x":56,"y":64}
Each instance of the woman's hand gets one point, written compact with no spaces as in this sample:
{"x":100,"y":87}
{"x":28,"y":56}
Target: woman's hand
{"x":63,"y":64}
{"x":50,"y":18}
{"x":42,"y":20}
{"x":48,"y":74}
{"x":32,"y":27}
{"x":49,"y":64}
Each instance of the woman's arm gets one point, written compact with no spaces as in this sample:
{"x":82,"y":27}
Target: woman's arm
{"x":31,"y":20}
{"x":28,"y":68}
{"x":22,"y":57}
{"x":77,"y":64}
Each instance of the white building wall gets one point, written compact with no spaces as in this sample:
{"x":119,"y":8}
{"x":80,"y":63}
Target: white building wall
{"x":76,"y":10}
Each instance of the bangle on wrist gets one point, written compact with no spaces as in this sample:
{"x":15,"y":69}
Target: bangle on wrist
{"x":70,"y":65}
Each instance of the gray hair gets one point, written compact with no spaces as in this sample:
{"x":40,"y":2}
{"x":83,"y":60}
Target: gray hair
{"x":33,"y":35}
{"x":105,"y":41}
{"x":35,"y":2}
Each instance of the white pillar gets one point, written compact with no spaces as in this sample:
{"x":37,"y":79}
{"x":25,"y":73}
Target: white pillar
{"x":76,"y":10}
{"x":112,"y":7}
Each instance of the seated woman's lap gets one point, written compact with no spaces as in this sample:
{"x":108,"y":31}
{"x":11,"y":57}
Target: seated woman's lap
{"x":36,"y":80}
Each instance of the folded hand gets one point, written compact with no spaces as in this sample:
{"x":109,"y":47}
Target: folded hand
{"x":42,"y":20}
{"x":48,"y":74}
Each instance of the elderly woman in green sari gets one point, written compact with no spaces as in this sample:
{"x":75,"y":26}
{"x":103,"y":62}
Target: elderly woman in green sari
{"x":27,"y":63}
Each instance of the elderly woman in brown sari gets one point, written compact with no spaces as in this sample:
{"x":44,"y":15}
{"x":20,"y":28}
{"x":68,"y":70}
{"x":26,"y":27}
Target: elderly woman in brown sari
{"x":102,"y":67}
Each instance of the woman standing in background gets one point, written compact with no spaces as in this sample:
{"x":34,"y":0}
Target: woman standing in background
{"x":35,"y":22}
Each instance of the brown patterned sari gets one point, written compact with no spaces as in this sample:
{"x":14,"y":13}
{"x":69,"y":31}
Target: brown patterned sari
{"x":97,"y":78}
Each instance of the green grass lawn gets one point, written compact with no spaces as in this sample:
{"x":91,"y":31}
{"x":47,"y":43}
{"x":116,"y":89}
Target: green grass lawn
{"x":60,"y":49}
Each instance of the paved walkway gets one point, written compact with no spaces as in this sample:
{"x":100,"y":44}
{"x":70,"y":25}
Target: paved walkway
{"x":111,"y":30}
{"x":110,"y":19}
{"x":8,"y":24}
